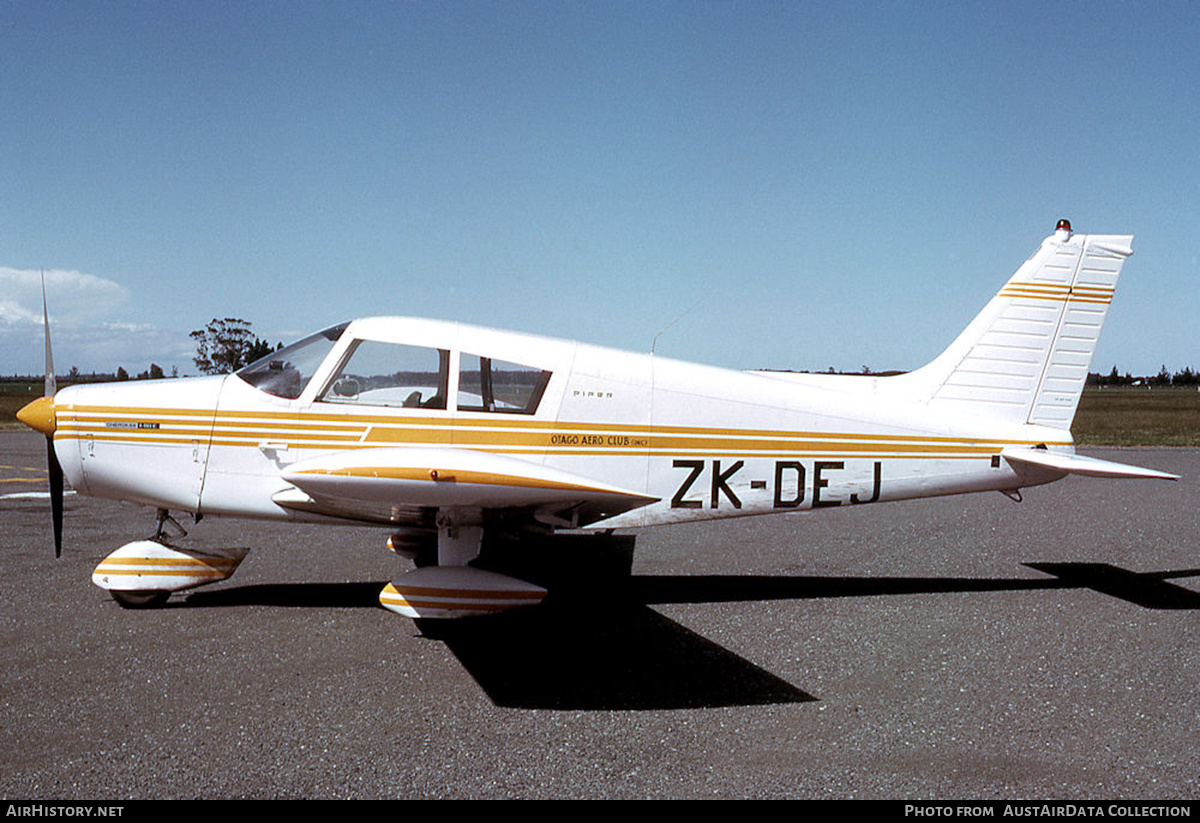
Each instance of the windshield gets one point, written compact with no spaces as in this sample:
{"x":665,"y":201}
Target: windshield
{"x":285,"y":373}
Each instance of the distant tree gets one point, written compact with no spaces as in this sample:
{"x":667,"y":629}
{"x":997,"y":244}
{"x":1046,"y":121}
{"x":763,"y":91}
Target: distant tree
{"x":224,"y":346}
{"x":121,"y":373}
{"x":260,"y":349}
{"x":156,"y":372}
{"x":1113,"y":378}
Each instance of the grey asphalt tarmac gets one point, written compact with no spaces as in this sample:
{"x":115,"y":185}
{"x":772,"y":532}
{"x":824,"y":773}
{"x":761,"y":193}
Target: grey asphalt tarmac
{"x":966,"y":647}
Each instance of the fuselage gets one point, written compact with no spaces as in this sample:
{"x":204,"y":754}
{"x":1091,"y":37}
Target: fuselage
{"x":702,"y":442}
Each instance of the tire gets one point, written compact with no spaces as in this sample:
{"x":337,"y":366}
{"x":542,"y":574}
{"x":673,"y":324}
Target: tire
{"x":142,"y":599}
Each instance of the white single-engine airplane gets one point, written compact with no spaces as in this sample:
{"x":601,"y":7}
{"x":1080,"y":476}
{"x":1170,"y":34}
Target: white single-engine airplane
{"x":443,"y":431}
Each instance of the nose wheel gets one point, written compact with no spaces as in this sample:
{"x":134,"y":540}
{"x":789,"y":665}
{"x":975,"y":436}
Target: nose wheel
{"x":152,"y":599}
{"x":142,"y":574}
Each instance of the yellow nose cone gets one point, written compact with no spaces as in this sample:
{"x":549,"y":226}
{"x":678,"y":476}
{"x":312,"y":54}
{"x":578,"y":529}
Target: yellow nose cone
{"x":39,"y":415}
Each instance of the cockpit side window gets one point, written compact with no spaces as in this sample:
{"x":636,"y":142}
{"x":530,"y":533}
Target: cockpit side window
{"x":485,"y":384}
{"x":285,"y":373}
{"x":390,"y":374}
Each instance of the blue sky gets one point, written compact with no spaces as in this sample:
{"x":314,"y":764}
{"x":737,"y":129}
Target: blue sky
{"x":827,"y":184}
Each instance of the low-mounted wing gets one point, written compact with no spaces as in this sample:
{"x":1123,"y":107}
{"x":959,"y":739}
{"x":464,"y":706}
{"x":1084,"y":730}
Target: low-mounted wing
{"x":398,"y":484}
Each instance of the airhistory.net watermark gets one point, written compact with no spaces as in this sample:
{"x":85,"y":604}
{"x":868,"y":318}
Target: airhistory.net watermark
{"x":51,"y":810}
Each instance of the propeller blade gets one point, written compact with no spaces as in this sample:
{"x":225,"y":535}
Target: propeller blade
{"x":56,"y":495}
{"x":54,"y":469}
{"x":50,"y":385}
{"x":40,"y":415}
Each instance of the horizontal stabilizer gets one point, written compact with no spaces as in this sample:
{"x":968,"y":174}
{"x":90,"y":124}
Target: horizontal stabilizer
{"x":1078,"y":464}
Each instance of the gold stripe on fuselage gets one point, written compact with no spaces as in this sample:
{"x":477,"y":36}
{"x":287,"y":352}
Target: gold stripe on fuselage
{"x":506,"y":436}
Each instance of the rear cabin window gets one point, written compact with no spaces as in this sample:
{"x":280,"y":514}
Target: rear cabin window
{"x":390,"y":374}
{"x":489,"y":385}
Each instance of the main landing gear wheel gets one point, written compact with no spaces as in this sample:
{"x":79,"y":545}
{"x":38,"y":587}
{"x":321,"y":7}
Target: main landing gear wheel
{"x":144,"y":599}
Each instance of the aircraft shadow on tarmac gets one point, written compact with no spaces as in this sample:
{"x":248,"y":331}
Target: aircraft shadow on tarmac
{"x":596,"y":643}
{"x":1146,"y":589}
{"x":613,"y":654}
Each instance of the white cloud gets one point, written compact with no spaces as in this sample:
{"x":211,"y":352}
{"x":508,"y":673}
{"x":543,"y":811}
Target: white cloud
{"x":12,"y":313}
{"x":72,"y":296}
{"x":85,"y":328}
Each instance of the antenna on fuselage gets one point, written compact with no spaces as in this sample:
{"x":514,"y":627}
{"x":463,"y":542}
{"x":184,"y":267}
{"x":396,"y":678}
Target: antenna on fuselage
{"x":687,"y":311}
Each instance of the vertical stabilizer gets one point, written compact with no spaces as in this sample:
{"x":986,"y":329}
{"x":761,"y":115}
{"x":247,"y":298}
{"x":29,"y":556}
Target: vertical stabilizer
{"x":1025,"y":358}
